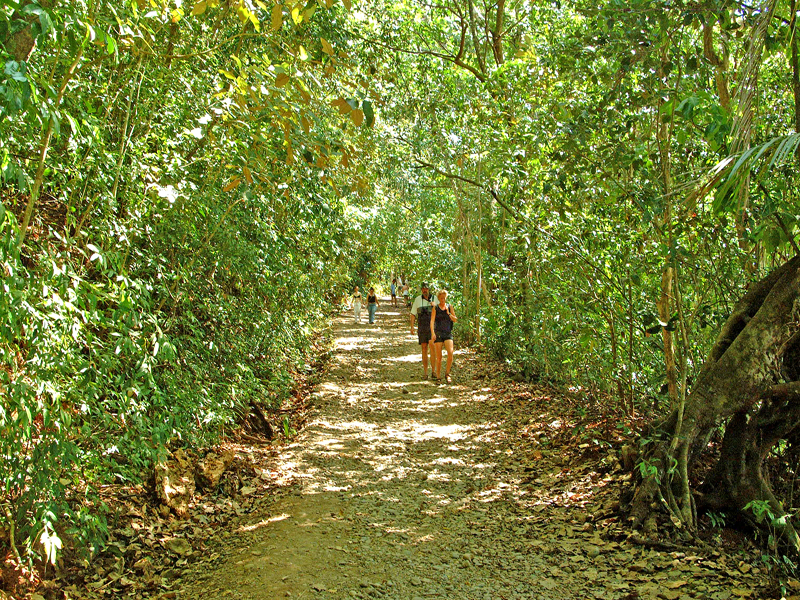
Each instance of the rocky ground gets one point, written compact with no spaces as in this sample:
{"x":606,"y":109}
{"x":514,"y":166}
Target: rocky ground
{"x":409,"y":488}
{"x":404,"y":488}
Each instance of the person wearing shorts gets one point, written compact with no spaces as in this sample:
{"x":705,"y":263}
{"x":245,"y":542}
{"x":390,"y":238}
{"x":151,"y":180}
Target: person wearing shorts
{"x":421,"y":312}
{"x":442,"y":319}
{"x":394,"y":292}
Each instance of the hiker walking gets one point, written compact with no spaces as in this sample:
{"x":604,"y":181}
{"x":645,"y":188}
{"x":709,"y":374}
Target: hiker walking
{"x":372,"y":304}
{"x":442,"y":319}
{"x":394,"y":292}
{"x":421,"y":312}
{"x":355,"y":302}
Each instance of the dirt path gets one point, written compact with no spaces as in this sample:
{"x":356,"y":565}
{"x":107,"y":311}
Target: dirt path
{"x":411,"y":489}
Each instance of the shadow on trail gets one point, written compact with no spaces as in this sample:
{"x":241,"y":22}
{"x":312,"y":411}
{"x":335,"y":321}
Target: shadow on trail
{"x":410,"y":489}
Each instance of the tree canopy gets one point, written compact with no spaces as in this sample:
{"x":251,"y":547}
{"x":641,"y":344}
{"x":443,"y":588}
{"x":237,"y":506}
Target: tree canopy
{"x":190,"y":187}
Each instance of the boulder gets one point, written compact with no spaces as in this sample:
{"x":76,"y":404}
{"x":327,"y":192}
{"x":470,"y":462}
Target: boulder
{"x":174,"y":481}
{"x":211,"y":468}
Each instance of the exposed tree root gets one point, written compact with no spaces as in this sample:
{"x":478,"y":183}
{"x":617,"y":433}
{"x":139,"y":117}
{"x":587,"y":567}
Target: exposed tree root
{"x":743,"y":381}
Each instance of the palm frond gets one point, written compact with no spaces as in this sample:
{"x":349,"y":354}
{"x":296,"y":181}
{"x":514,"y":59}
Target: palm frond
{"x":734,"y":172}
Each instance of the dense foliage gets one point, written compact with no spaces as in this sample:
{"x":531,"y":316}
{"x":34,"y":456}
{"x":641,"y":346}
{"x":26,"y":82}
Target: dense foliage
{"x":174,"y":234}
{"x":563,"y":144}
{"x":187,"y":188}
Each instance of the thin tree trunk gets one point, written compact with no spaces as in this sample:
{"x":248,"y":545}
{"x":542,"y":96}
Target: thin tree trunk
{"x":664,"y":311}
{"x":480,"y":260}
{"x":630,"y":343}
{"x":44,"y":146}
{"x":123,"y":143}
{"x":795,"y":70}
{"x":720,"y":64}
{"x":746,"y":94}
{"x":497,"y":33}
{"x":469,"y":240}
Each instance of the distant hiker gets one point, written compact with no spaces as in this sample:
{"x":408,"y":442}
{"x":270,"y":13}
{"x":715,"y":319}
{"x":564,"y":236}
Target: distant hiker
{"x":372,"y":304}
{"x":355,"y":302}
{"x":442,"y":319}
{"x":421,"y":311}
{"x":406,"y":293}
{"x":394,"y":292}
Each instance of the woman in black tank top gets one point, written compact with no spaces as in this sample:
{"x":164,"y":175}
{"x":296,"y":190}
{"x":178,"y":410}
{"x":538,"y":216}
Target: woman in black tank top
{"x":372,"y":304}
{"x":442,"y":319}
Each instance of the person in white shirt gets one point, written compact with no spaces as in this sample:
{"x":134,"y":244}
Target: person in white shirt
{"x":355,"y":302}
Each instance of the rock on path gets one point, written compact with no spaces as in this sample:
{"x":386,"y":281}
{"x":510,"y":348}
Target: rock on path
{"x":410,"y":489}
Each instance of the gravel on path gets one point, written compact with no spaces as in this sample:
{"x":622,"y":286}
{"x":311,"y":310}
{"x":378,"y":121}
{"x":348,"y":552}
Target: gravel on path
{"x":411,"y":489}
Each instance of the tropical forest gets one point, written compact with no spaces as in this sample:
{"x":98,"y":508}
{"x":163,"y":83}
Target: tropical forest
{"x":458,"y":299}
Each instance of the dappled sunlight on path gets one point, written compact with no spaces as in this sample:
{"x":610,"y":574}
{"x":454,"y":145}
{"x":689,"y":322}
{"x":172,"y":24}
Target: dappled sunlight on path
{"x":408,"y":488}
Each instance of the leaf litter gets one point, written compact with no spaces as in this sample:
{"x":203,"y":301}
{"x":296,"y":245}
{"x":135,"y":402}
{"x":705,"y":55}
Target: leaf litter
{"x":400,"y":487}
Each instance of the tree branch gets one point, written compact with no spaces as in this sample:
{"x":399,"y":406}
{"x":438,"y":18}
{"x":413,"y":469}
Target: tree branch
{"x":456,"y":60}
{"x":44,"y":146}
{"x":495,"y":195}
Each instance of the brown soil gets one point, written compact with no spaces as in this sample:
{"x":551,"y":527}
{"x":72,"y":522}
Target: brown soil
{"x":404,"y":488}
{"x":409,"y":488}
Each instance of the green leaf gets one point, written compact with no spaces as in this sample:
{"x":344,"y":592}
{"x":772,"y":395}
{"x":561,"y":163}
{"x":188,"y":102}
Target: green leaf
{"x":73,"y":124}
{"x":369,"y":115}
{"x":297,"y":16}
{"x":687,"y":106}
{"x":46,"y":23}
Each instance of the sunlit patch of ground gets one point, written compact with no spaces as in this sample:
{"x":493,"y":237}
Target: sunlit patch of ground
{"x":405,"y":480}
{"x":407,"y":358}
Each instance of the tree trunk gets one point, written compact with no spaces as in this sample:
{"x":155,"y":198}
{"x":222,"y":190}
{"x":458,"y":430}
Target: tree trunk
{"x":744,"y":380}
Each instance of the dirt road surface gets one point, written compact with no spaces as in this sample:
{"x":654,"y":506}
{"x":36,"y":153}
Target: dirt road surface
{"x":409,"y":489}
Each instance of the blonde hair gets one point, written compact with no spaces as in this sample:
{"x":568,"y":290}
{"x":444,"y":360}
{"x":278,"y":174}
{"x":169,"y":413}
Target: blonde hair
{"x":440,"y":292}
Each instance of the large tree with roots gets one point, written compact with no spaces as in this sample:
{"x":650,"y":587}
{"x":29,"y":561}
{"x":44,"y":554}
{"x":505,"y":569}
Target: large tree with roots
{"x":749,"y":386}
{"x":752,"y":379}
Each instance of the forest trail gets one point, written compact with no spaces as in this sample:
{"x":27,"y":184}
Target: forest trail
{"x":409,"y":489}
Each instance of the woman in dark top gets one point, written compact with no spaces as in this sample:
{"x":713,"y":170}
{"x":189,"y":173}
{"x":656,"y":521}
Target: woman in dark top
{"x":372,"y":304}
{"x":442,"y":319}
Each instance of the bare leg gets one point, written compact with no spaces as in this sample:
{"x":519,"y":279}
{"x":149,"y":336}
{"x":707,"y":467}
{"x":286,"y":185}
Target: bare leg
{"x":448,"y":344}
{"x":425,"y":358}
{"x":438,"y":359}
